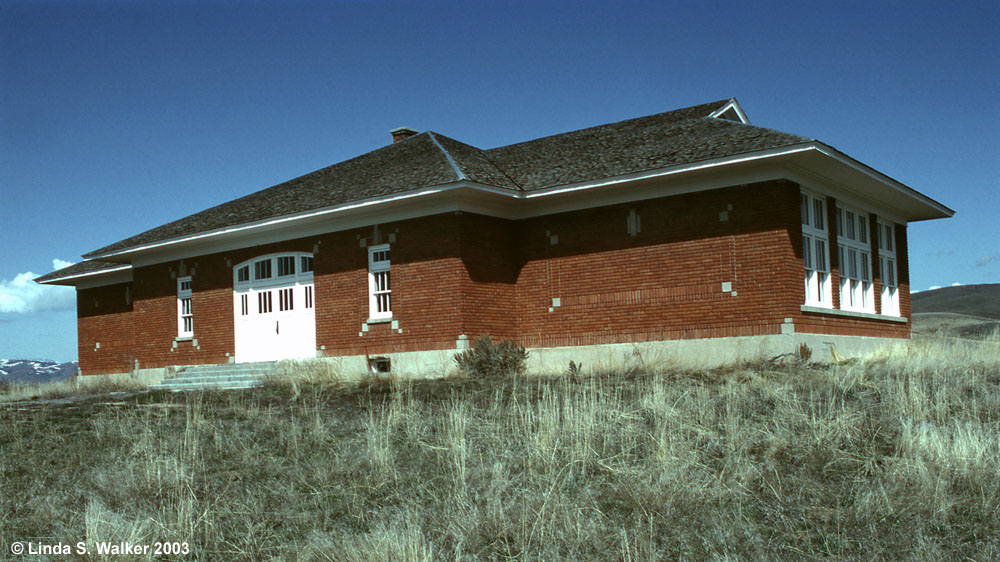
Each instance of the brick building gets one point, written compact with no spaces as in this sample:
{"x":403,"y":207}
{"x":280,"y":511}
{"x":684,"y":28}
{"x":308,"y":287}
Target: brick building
{"x":690,"y":225}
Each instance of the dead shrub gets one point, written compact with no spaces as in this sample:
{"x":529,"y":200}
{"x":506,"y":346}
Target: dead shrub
{"x":487,"y":358}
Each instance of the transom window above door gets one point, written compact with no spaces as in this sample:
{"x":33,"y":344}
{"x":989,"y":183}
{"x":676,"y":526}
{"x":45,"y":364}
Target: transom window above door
{"x":274,"y":269}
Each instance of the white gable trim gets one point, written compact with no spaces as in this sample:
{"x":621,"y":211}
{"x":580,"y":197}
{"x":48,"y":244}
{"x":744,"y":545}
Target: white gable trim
{"x":733,"y":106}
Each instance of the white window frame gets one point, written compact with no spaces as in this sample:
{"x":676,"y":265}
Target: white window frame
{"x":185,"y":315}
{"x":815,"y":250}
{"x":888,"y":268}
{"x":854,"y":248}
{"x":252,"y":282}
{"x":379,"y":283}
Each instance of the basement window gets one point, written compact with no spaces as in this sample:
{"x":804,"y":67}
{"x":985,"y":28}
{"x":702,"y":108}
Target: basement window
{"x":379,"y":287}
{"x":380,"y":365}
{"x":185,"y":317}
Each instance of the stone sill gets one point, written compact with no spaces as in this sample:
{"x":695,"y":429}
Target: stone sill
{"x":852,"y":314}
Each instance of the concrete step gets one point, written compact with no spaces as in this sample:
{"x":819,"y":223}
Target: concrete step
{"x":203,"y":375}
{"x":182,"y":387}
{"x":218,"y":377}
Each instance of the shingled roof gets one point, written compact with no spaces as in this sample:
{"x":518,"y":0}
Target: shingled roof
{"x":430,"y":159}
{"x":82,"y":269}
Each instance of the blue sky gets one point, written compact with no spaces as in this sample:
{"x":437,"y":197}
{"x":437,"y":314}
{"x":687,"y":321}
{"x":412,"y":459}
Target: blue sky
{"x":116,"y":117}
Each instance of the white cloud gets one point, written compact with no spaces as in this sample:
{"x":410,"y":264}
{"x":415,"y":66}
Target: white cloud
{"x":932,"y":287}
{"x":22,"y":294}
{"x":956,"y":284}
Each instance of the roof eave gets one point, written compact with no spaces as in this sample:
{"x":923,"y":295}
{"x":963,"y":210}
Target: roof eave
{"x":922,"y":206}
{"x":74,"y":280}
{"x":279,"y":222}
{"x":918,"y":206}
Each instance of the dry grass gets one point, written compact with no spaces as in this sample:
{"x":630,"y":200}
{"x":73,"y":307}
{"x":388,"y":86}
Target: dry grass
{"x":892,"y":457}
{"x":74,"y":387}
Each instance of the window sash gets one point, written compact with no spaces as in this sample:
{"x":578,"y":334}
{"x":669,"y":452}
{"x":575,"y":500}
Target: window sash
{"x":814,"y":250}
{"x":888,"y":265}
{"x":264,"y":302}
{"x":185,"y":315}
{"x":262,"y":269}
{"x":856,"y":287}
{"x":286,"y":266}
{"x":379,"y":282}
{"x":274,"y":269}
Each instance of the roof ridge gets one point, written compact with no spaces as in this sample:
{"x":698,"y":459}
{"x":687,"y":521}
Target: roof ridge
{"x":481,"y":153}
{"x":454,"y":166}
{"x":622,"y":121}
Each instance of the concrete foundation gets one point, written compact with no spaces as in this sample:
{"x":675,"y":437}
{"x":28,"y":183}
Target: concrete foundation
{"x":703,"y":353}
{"x":683,"y":354}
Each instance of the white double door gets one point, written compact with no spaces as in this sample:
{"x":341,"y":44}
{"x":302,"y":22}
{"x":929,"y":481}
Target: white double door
{"x":274,"y":323}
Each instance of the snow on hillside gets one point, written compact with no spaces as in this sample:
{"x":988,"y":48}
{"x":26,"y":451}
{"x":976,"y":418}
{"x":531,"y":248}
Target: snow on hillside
{"x":25,"y":371}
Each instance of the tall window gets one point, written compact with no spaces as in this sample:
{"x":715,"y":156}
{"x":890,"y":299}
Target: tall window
{"x":185,"y":319}
{"x":379,"y":288}
{"x":887,"y":268}
{"x":814,"y":250}
{"x":856,"y":291}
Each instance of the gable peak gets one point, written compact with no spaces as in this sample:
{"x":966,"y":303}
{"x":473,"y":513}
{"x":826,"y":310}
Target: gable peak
{"x":731,"y":111}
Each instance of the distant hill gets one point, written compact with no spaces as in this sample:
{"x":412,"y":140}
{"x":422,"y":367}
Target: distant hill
{"x":30,"y":371}
{"x":973,"y":300}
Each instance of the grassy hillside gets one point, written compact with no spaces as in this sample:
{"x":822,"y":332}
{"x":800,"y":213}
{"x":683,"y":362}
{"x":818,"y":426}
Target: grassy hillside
{"x":895,"y":457}
{"x":972,"y":300}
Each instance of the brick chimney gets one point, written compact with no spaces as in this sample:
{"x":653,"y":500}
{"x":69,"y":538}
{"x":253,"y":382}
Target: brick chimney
{"x":400,"y":133}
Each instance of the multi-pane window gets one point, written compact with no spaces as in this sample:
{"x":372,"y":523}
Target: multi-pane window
{"x":185,"y":318}
{"x":264,"y":302}
{"x":814,"y":250}
{"x":262,"y":269}
{"x":887,"y":268}
{"x":379,"y":288}
{"x":286,"y":278}
{"x":285,"y":299}
{"x":856,"y":292}
{"x":286,"y":265}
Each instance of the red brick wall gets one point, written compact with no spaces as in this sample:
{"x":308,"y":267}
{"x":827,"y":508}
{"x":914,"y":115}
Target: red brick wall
{"x":665,"y":282}
{"x":491,"y":264}
{"x":462,"y":273}
{"x":426,"y":277}
{"x":105,"y":317}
